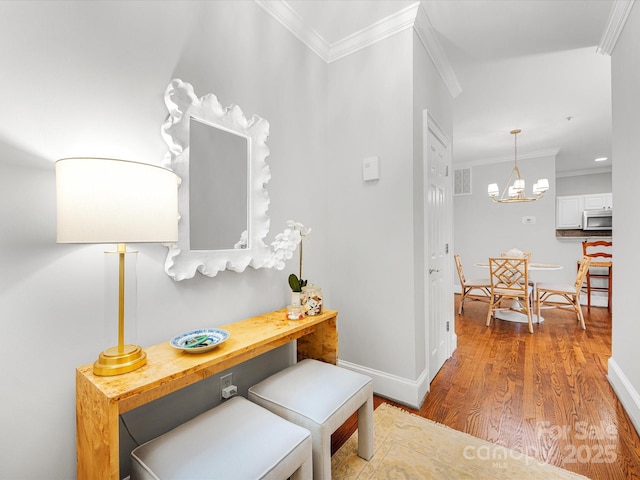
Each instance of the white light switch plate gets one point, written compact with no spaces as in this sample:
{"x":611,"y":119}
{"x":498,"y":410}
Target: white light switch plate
{"x":528,"y":220}
{"x":371,"y":169}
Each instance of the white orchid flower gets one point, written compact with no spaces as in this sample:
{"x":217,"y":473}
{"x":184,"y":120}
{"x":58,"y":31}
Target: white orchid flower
{"x":284,"y":245}
{"x":286,"y":242}
{"x":299,"y":226}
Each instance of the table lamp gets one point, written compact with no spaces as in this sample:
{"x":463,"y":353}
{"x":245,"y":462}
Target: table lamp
{"x":102,"y":200}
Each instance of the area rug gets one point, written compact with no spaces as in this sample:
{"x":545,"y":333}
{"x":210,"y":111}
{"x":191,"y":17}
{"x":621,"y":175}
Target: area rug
{"x":407,"y":446}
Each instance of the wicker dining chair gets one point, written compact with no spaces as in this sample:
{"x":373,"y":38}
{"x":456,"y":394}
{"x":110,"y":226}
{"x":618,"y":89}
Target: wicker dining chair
{"x":473,"y":289}
{"x":510,"y":283}
{"x":515,"y":253}
{"x":564,"y":296}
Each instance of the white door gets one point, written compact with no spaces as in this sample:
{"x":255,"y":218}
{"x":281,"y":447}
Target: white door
{"x":439,"y":263}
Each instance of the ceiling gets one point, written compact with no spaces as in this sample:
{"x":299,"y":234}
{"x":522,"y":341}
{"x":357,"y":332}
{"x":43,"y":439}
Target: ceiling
{"x":528,"y":64}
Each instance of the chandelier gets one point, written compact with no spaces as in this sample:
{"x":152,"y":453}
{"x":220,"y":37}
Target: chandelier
{"x":515,"y":193}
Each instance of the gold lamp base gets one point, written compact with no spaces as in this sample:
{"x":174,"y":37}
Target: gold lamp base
{"x":118,"y":360}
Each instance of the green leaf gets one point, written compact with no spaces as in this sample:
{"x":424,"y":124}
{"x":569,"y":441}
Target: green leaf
{"x":295,"y":284}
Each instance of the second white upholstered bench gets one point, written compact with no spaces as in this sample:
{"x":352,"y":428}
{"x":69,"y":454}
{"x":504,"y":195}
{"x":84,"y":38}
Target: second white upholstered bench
{"x":320,"y":397}
{"x":237,"y":440}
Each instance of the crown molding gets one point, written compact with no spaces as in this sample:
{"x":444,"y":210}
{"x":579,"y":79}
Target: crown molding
{"x":551,"y":152}
{"x":577,"y":173}
{"x":617,"y":19}
{"x":413,"y":16}
{"x":380,"y":30}
{"x":289,"y":18}
{"x":429,"y":39}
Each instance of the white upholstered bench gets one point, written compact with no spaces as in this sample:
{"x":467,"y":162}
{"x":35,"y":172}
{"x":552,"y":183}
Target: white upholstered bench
{"x":320,"y":397}
{"x":237,"y":440}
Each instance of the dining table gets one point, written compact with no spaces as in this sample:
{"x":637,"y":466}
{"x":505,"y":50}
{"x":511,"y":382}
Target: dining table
{"x":520,"y":317}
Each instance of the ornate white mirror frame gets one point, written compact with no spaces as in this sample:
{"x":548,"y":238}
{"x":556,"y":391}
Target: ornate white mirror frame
{"x":184,"y":107}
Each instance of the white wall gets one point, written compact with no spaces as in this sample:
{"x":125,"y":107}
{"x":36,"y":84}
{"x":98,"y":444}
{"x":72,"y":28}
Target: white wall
{"x":376,"y":100}
{"x":483,"y":228}
{"x":87,"y":78}
{"x":583,"y":184}
{"x":624,"y":368}
{"x":370,"y":114}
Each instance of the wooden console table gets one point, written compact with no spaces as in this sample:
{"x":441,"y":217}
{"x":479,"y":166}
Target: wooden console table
{"x":100,"y":400}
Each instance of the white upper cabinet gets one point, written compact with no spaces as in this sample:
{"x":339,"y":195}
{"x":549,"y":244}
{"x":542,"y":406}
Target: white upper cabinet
{"x":569,"y":208}
{"x":598,"y":201}
{"x":569,"y":212}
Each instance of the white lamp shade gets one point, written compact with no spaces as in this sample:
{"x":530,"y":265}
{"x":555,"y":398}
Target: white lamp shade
{"x":518,"y":185}
{"x":543,"y":184}
{"x":541,"y":187}
{"x":103,"y":200}
{"x":493,"y":190}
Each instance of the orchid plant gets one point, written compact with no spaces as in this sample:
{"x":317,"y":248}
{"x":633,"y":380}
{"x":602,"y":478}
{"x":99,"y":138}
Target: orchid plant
{"x":296,"y":283}
{"x":284,"y":245}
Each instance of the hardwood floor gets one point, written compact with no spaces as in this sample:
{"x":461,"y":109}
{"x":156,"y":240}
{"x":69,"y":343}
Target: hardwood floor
{"x":544,"y":394}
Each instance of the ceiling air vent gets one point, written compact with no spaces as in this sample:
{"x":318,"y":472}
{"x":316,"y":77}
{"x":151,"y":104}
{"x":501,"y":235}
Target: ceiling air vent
{"x":462,"y":181}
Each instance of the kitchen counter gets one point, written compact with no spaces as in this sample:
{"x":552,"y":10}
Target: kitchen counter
{"x":576,"y":233}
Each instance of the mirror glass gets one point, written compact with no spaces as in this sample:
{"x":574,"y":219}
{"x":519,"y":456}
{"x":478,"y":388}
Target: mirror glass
{"x":217,"y":187}
{"x":220,"y":157}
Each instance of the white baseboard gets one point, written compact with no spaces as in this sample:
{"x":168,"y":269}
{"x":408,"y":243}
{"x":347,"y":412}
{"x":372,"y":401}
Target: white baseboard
{"x":598,"y":299}
{"x":627,"y":395}
{"x":402,"y":390}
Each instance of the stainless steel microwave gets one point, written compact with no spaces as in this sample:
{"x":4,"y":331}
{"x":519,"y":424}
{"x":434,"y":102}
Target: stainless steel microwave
{"x":597,"y":219}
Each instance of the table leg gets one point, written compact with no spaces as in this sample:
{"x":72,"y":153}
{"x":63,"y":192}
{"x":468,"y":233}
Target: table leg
{"x":321,"y":344}
{"x":97,"y":434}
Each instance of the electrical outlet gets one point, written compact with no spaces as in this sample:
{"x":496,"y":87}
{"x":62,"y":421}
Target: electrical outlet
{"x":229,"y":392}
{"x":226,"y":381}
